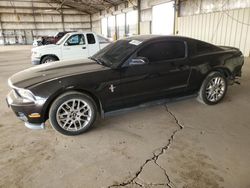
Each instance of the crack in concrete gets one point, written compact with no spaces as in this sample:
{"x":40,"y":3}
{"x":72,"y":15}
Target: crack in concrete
{"x":154,"y":158}
{"x":143,"y":184}
{"x":175,"y":118}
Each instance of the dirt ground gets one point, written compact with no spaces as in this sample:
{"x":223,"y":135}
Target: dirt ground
{"x":181,"y":144}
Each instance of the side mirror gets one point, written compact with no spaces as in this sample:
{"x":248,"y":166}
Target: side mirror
{"x":139,"y":61}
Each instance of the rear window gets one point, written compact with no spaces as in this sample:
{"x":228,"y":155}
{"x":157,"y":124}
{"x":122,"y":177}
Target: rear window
{"x":91,"y":38}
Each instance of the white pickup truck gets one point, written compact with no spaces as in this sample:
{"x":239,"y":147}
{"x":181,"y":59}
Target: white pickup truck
{"x":71,"y":46}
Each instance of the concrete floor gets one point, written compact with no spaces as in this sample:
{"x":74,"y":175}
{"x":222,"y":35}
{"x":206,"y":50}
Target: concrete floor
{"x":181,"y":144}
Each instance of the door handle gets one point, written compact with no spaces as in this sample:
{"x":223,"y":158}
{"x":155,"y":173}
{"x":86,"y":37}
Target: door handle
{"x":83,"y":47}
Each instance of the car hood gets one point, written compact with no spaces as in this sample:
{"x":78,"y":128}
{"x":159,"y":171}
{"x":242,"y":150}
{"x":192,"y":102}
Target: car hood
{"x":53,"y":70}
{"x":45,"y":47}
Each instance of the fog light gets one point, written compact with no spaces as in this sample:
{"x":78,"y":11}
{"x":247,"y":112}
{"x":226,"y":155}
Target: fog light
{"x":35,"y":115}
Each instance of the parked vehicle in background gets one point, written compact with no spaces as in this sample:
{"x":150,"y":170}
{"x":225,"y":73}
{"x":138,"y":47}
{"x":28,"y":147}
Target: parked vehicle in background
{"x":37,"y":42}
{"x":45,"y":40}
{"x":126,"y":73}
{"x":71,"y":46}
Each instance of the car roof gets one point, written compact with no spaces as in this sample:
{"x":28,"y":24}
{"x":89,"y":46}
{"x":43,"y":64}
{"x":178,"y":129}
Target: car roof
{"x":78,"y":32}
{"x":143,"y":38}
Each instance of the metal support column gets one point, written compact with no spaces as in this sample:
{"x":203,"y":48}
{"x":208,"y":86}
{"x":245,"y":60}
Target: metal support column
{"x":116,"y":25}
{"x":176,"y":14}
{"x":2,"y":30}
{"x":91,"y":25}
{"x":34,"y":18}
{"x":62,"y":16}
{"x":126,"y":22}
{"x":139,"y":16}
{"x":116,"y":29}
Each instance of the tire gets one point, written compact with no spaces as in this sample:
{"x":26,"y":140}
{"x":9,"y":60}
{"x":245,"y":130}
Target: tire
{"x":72,"y":113}
{"x":213,"y":88}
{"x":48,"y":59}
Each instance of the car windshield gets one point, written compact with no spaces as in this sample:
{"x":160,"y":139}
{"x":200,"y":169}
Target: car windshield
{"x":116,"y":53}
{"x":102,"y":39}
{"x":62,"y":39}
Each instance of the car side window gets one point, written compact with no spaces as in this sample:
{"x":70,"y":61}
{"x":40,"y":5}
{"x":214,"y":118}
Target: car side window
{"x":91,"y":38}
{"x":164,"y":50}
{"x":76,"y":40}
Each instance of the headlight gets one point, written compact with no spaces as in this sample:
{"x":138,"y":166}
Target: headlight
{"x":36,"y":54}
{"x":25,"y":94}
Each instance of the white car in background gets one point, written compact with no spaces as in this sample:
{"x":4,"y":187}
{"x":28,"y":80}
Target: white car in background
{"x":37,"y":42}
{"x":76,"y":45}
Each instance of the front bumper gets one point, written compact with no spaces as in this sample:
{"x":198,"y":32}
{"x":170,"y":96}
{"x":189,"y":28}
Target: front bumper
{"x":35,"y":60}
{"x":25,"y":111}
{"x":34,"y":126}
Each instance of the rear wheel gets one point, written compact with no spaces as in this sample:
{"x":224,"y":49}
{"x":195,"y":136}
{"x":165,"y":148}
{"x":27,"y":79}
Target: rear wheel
{"x":213,"y":88}
{"x":72,"y":113}
{"x":48,"y":59}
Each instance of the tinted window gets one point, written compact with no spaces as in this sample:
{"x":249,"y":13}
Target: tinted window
{"x":91,"y":38}
{"x":202,"y":47}
{"x":76,"y":40}
{"x":160,"y":51}
{"x":116,"y":53}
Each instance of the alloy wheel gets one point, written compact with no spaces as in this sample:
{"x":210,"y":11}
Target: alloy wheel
{"x":73,"y":115}
{"x":215,"y":89}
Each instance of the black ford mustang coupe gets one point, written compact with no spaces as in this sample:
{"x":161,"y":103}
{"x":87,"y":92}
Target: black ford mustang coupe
{"x":127,"y":73}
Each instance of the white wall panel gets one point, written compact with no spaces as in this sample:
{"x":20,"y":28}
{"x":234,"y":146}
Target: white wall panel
{"x":44,"y":19}
{"x":76,"y":18}
{"x":230,"y":28}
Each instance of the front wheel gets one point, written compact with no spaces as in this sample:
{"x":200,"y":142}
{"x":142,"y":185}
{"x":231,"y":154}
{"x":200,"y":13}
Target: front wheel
{"x":213,"y":88}
{"x":72,"y":113}
{"x":48,"y":59}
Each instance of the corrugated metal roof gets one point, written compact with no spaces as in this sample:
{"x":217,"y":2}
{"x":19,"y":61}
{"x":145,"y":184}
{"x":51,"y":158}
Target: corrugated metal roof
{"x":90,"y":6}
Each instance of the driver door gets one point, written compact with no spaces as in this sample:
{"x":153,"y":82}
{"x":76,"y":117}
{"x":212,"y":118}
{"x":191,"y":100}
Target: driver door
{"x":165,"y":73}
{"x":75,"y":48}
